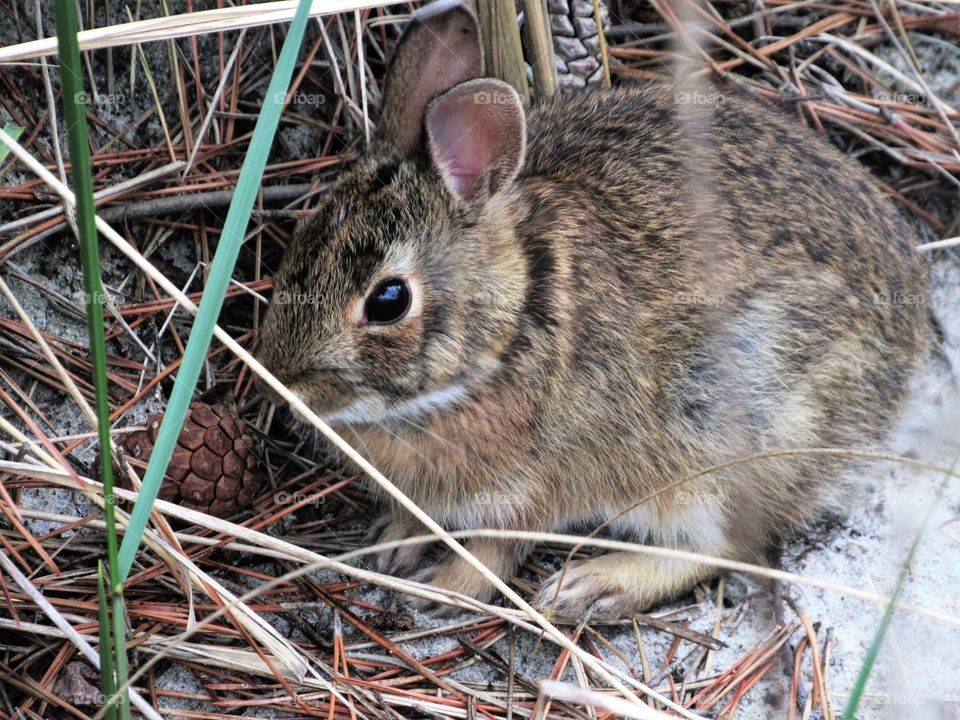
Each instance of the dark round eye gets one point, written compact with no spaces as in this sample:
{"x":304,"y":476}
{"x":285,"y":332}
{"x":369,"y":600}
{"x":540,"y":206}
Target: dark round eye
{"x":388,"y":302}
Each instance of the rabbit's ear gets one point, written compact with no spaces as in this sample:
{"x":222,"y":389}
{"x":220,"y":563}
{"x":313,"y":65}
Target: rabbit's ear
{"x":440,"y":48}
{"x":477,"y":136}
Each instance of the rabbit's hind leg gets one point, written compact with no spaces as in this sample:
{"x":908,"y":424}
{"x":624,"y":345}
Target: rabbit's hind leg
{"x":617,"y":585}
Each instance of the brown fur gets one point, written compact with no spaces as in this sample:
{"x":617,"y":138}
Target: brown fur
{"x":662,"y":287}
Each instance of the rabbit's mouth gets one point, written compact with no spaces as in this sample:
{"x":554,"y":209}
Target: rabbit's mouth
{"x":374,"y":409}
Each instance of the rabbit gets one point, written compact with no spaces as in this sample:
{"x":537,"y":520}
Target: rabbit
{"x":540,"y":318}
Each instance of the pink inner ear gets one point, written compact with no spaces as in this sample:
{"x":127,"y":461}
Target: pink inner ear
{"x":470,"y":135}
{"x":465,"y":158}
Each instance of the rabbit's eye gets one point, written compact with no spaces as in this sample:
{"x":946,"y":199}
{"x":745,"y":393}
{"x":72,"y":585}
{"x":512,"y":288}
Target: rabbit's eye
{"x":388,"y":302}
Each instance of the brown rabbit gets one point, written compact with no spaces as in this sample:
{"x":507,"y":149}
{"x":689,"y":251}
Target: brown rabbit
{"x":530,"y":318}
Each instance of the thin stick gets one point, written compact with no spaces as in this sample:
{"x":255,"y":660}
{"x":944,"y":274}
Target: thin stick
{"x":187,"y":25}
{"x":938,"y":244}
{"x":604,"y":56}
{"x":214,"y":102}
{"x":120,"y":187}
{"x":540,"y":47}
{"x":362,"y":72}
{"x":156,"y":97}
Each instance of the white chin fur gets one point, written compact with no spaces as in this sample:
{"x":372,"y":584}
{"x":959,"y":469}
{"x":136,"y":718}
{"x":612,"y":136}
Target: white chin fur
{"x":373,"y":410}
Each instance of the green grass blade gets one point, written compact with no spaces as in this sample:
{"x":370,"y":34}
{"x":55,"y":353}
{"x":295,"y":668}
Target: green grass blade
{"x":71,"y":81}
{"x":873,"y":652}
{"x":221,"y":269}
{"x":108,"y":684}
{"x":112,"y":655}
{"x":119,"y":634}
{"x":13,"y":131}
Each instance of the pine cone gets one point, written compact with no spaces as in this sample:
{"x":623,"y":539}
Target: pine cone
{"x":212,"y":467}
{"x":576,"y":41}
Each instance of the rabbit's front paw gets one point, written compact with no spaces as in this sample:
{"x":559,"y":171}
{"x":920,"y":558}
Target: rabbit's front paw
{"x":455,"y":574}
{"x":398,"y":560}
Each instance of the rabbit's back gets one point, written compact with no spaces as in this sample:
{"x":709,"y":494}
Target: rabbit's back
{"x":723,"y":281}
{"x":721,"y":169}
